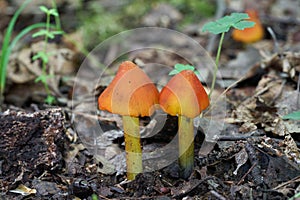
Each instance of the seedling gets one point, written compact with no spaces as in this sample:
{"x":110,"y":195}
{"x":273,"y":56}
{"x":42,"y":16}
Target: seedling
{"x":130,"y":94}
{"x":223,"y":25}
{"x":185,"y":97}
{"x":44,"y":55}
{"x":9,"y":44}
{"x":180,"y":67}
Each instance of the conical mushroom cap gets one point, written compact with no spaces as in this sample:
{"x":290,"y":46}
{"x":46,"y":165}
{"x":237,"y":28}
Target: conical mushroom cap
{"x":184,"y":95}
{"x":130,"y":93}
{"x":250,"y":35}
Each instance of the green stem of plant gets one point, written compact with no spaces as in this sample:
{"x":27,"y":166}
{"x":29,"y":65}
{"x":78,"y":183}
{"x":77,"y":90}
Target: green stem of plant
{"x":132,"y":146}
{"x":24,"y":32}
{"x":44,"y":64}
{"x":186,"y":146}
{"x":5,"y":53}
{"x":57,"y":18}
{"x":217,"y":64}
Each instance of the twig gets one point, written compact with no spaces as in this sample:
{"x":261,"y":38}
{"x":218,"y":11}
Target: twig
{"x":251,"y":168}
{"x":216,"y":194}
{"x":193,"y":187}
{"x":256,"y":171}
{"x":103,"y":197}
{"x":296,"y":179}
{"x":235,"y":138}
{"x":276,"y":45}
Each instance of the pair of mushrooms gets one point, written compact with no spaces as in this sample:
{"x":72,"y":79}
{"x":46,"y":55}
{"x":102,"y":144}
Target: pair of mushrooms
{"x":132,"y":94}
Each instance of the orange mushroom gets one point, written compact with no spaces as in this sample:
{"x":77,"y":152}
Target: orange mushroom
{"x":130,"y":94}
{"x":184,"y":96}
{"x":250,"y":35}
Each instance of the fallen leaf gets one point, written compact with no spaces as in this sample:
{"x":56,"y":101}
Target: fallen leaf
{"x":23,"y":190}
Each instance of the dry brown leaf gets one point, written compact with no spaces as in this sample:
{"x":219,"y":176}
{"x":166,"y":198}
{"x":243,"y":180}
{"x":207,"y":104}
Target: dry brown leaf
{"x":23,"y":190}
{"x":287,"y":62}
{"x":259,"y":108}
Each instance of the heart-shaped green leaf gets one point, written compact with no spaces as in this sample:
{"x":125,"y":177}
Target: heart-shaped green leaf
{"x":223,"y":25}
{"x":180,"y":67}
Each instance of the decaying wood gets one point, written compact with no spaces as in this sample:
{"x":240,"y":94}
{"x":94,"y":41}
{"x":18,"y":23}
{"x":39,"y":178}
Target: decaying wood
{"x":30,"y":145}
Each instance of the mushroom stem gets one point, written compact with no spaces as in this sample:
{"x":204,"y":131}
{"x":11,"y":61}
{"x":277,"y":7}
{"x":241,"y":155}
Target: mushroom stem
{"x":132,"y":146}
{"x":186,"y":146}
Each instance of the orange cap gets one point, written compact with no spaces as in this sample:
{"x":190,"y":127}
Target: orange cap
{"x":250,"y":35}
{"x":130,"y":93}
{"x":184,"y":95}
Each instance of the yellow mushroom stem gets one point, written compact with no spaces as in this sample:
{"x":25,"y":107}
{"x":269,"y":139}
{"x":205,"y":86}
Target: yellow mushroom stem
{"x":132,"y":146}
{"x":186,"y":146}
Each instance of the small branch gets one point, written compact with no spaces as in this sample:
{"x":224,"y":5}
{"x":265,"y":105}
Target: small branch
{"x":235,"y":138}
{"x":217,"y":195}
{"x":251,"y":168}
{"x":276,"y":45}
{"x":194,"y":186}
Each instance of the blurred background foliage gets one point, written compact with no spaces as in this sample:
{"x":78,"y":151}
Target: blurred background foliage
{"x":100,"y":19}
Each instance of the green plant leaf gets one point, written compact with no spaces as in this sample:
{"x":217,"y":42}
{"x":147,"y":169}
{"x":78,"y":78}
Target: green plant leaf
{"x":233,"y":18}
{"x":236,"y":20}
{"x":215,"y":28}
{"x":50,"y":35}
{"x":45,"y":33}
{"x":5,"y":50}
{"x":41,"y":55}
{"x":41,"y":32}
{"x":50,"y":99}
{"x":294,"y":116}
{"x":24,"y":32}
{"x":295,"y":196}
{"x":43,"y":78}
{"x":57,"y":32}
{"x":243,"y":24}
{"x":53,"y":12}
{"x":44,"y":9}
{"x":180,"y":67}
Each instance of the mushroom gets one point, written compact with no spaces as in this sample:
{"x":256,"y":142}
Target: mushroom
{"x":250,"y":35}
{"x":131,"y":94}
{"x":185,"y":97}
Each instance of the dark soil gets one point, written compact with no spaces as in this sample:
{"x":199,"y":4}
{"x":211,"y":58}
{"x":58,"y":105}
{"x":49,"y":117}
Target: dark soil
{"x":33,"y":147}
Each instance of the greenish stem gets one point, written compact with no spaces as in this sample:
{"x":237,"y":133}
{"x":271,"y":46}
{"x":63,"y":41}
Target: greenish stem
{"x":132,"y":146}
{"x":5,"y":49}
{"x":217,"y":64}
{"x":24,"y":32}
{"x":57,"y":18}
{"x":44,"y":68}
{"x":186,"y":146}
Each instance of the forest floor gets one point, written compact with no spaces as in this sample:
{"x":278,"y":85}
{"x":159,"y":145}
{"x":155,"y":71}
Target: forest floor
{"x":244,"y":148}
